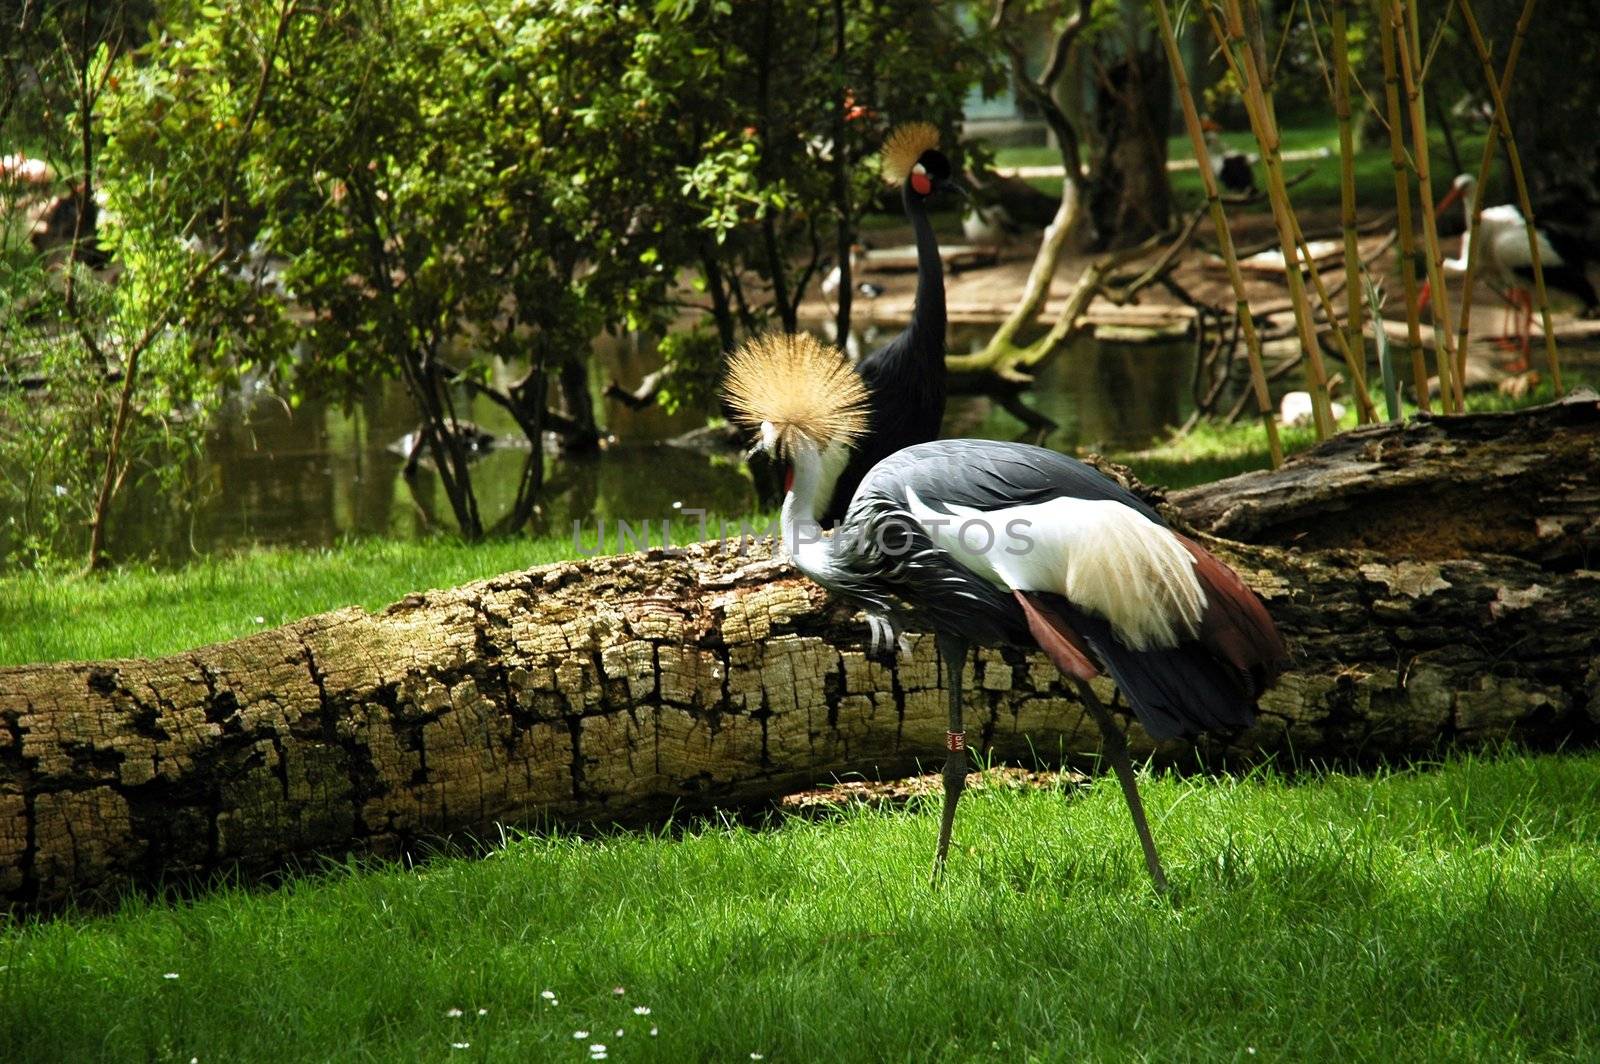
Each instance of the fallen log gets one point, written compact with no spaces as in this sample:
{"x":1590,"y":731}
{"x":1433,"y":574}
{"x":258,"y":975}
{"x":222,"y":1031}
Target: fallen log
{"x":1523,"y":482}
{"x":623,"y":688}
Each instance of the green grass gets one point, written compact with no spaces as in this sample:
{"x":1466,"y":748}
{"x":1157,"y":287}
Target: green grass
{"x":1418,"y":916}
{"x":1374,"y":173}
{"x":147,"y":612}
{"x":1213,"y":450}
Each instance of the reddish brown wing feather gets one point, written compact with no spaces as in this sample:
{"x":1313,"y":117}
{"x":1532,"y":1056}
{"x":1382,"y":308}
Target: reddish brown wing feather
{"x":1056,"y":638}
{"x":1236,"y":626}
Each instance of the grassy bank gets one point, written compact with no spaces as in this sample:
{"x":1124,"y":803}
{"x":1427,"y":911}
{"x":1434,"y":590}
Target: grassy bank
{"x":147,"y":612}
{"x":1214,"y":450}
{"x":1374,"y":173}
{"x":1420,"y":916}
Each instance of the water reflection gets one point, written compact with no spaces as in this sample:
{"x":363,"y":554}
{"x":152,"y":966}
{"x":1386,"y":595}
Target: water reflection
{"x":1101,"y":396}
{"x":321,"y":472}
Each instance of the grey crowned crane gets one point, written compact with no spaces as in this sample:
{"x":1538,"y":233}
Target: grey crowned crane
{"x":991,"y":543}
{"x":905,"y":378}
{"x":1505,"y":258}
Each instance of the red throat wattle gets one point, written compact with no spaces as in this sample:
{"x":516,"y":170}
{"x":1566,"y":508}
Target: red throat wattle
{"x":788,"y":480}
{"x":921,"y":185}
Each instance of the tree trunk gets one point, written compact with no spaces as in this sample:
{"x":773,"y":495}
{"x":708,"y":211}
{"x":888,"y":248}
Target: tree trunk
{"x":624,"y":688}
{"x":1129,"y":195}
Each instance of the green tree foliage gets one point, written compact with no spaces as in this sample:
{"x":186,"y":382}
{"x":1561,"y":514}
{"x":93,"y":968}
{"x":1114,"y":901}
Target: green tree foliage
{"x":1554,"y":102}
{"x":407,"y":187}
{"x":398,"y":189}
{"x":96,"y":392}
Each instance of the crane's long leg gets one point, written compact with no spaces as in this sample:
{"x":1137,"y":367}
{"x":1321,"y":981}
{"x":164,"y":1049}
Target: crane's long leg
{"x":1527,"y":329}
{"x":953,"y":651}
{"x":1116,"y":748}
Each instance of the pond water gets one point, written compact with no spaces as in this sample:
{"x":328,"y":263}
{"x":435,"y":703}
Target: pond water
{"x":319,"y":473}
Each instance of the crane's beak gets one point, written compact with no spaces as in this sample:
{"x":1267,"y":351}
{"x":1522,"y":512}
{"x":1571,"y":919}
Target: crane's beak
{"x":1449,"y":198}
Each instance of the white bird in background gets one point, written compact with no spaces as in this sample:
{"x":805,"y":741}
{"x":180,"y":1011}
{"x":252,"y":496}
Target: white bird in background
{"x":1505,"y":258}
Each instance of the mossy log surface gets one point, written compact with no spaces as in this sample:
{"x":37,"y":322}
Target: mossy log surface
{"x":622,"y":688}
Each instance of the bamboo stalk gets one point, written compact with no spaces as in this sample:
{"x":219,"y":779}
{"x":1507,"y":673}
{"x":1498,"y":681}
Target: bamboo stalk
{"x":1219,"y":219}
{"x":1405,"y":24}
{"x":1252,"y":80}
{"x":1402,"y":199}
{"x":1490,"y":143}
{"x":1358,"y":370}
{"x":1503,"y":124}
{"x":1347,"y":199}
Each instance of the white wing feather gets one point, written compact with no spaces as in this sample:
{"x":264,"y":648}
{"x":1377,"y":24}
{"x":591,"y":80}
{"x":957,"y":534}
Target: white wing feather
{"x":1104,"y":557}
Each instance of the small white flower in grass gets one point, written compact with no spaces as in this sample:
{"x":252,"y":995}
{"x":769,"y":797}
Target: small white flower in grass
{"x":548,"y":995}
{"x":598,"y":1047}
{"x":1251,"y":1050}
{"x":757,"y":1056}
{"x":580,"y":1034}
{"x":618,"y":1032}
{"x":169,"y":975}
{"x":641,"y":1010}
{"x":460,"y":1045}
{"x":653,"y":1032}
{"x":452,"y":1013}
{"x":261,"y":620}
{"x":619,"y":991}
{"x":483,"y":1012}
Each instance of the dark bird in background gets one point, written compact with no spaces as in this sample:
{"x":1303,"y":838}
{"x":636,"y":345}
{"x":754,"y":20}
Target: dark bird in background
{"x":1505,"y":258}
{"x":1004,"y":208}
{"x":1234,"y":170}
{"x":835,"y":277}
{"x":905,"y":378}
{"x":59,"y":224}
{"x":1003,"y":544}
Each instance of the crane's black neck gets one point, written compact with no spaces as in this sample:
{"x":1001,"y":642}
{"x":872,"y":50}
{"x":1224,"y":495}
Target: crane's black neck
{"x":928,"y":318}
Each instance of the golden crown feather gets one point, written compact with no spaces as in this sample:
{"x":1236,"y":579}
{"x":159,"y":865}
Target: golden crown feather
{"x":904,"y":146}
{"x":799,"y":385}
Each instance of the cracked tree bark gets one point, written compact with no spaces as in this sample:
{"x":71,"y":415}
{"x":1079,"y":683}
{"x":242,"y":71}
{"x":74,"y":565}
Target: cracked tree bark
{"x":622,"y":688}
